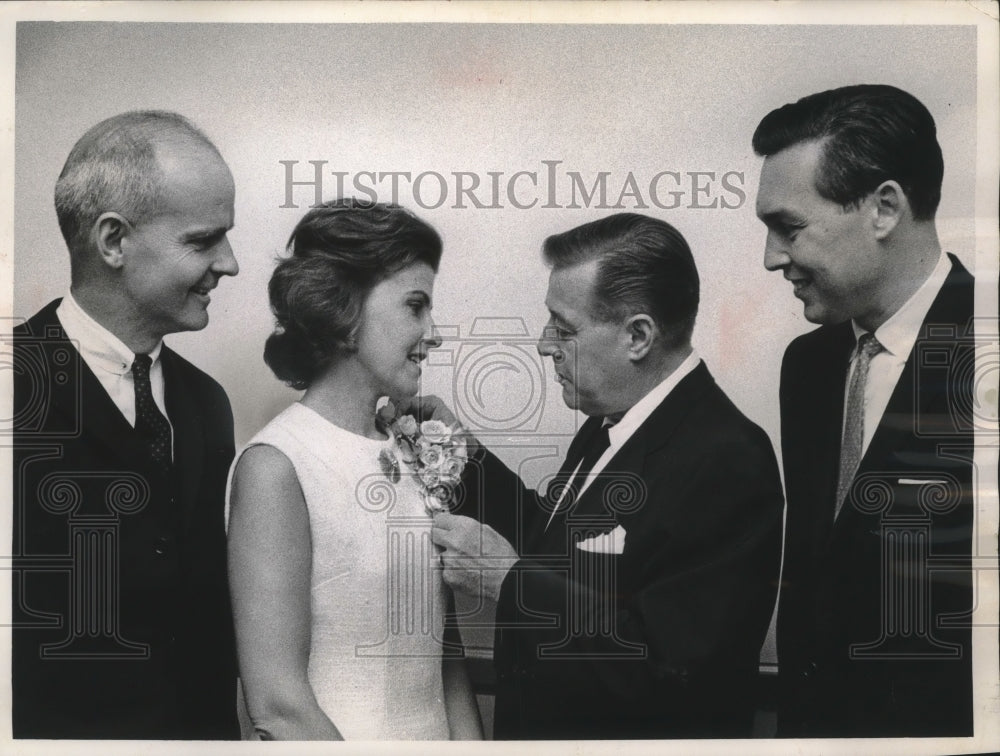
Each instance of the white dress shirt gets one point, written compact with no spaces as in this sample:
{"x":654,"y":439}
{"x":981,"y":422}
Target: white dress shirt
{"x":622,"y":431}
{"x":109,"y":359}
{"x":897,"y":336}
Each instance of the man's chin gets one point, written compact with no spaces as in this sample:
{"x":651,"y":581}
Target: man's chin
{"x":569,"y":396}
{"x":813,"y":317}
{"x":193,"y":322}
{"x":823,"y":315}
{"x":574,"y":402}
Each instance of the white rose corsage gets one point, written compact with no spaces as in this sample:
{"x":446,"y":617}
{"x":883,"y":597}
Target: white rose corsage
{"x":435,"y":452}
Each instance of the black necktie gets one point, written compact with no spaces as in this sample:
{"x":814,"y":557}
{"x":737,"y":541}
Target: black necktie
{"x":596,"y":446}
{"x":592,"y":451}
{"x":149,"y":421}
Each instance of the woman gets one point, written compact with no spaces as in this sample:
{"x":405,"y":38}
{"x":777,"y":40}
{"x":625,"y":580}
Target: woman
{"x":338,"y":630}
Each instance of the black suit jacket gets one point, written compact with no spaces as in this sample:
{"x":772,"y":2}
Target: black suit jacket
{"x":873,"y":623}
{"x":120,"y":601}
{"x":662,"y":640}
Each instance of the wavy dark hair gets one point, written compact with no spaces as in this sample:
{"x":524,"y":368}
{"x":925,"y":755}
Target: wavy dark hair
{"x":645,"y":266}
{"x":338,"y":253}
{"x":870,"y":133}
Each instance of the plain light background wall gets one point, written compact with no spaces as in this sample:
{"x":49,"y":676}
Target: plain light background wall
{"x":480,"y":98}
{"x":477,"y":98}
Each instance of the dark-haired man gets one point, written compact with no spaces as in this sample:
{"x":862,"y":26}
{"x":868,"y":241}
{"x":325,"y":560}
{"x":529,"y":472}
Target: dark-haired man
{"x":122,"y":625}
{"x":637,"y":592}
{"x":873,"y":625}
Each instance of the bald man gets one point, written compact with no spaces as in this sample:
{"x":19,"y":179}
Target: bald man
{"x":122,"y":624}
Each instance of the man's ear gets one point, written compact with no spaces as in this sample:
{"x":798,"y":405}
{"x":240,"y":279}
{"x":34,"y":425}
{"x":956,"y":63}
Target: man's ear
{"x":642,"y":331}
{"x":890,"y":206}
{"x":110,"y":229}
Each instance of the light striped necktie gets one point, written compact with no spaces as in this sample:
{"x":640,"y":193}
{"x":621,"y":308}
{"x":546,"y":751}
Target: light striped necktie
{"x":852,"y":444}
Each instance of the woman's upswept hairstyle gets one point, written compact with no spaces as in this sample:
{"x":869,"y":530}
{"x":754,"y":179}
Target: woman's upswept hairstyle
{"x":339,"y":252}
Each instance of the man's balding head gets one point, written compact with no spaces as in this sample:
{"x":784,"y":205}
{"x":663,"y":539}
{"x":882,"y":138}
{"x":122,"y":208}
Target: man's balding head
{"x":114,"y":167}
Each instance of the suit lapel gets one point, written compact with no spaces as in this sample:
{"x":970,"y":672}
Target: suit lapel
{"x":189,"y":436}
{"x":103,"y":419}
{"x":549,"y":532}
{"x":620,"y":481}
{"x":83,"y":402}
{"x":828,"y":384}
{"x":943,"y":327}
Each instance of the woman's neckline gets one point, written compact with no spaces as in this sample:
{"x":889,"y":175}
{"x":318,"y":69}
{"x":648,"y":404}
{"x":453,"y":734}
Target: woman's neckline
{"x":343,"y":430}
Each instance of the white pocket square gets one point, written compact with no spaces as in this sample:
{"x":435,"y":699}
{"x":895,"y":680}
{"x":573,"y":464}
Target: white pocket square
{"x":612,"y":542}
{"x":921,"y":482}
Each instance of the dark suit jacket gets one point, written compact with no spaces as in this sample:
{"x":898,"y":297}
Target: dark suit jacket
{"x":662,"y":640}
{"x":857,"y":657}
{"x":120,"y":601}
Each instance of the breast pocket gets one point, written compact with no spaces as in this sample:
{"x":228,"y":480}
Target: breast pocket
{"x":905,"y":495}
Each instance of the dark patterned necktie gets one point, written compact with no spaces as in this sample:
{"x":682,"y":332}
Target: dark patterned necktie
{"x":854,"y":423}
{"x":150,"y":423}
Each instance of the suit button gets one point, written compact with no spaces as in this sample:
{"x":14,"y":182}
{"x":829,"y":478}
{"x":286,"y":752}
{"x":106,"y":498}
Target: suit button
{"x":160,"y":546}
{"x":809,"y":670}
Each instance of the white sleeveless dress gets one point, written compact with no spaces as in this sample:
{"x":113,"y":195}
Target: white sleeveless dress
{"x":378,"y":600}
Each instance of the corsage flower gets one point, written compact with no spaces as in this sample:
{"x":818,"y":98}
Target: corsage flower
{"x":435,"y":452}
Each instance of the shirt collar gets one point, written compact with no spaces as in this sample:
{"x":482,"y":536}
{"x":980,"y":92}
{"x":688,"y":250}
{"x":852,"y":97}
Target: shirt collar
{"x":621,"y":431}
{"x":898,"y":334}
{"x":97,"y":344}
